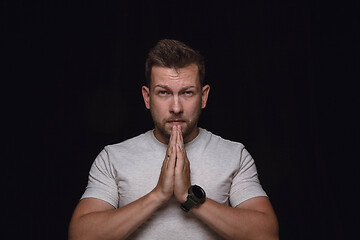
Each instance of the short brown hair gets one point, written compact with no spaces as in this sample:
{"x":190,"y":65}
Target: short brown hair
{"x":173,"y":54}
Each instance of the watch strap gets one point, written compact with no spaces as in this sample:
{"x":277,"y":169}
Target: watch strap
{"x":188,"y":204}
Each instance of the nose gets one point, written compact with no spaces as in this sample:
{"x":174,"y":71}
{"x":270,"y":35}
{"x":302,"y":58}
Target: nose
{"x":176,"y":106}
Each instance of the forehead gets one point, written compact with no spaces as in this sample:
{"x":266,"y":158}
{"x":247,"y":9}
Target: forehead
{"x":172,"y":77}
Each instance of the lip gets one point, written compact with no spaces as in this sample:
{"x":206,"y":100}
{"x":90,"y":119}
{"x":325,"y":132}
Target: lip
{"x":176,"y":122}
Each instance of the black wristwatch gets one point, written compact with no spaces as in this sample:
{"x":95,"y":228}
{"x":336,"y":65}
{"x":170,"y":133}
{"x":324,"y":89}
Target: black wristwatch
{"x":196,"y":197}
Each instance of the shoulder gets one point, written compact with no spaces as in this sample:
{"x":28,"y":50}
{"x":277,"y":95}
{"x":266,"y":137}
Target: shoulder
{"x":215,"y":145}
{"x":120,"y":152}
{"x":217,"y":141}
{"x":134,"y":143}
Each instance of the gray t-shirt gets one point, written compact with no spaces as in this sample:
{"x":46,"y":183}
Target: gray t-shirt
{"x":124,"y":172}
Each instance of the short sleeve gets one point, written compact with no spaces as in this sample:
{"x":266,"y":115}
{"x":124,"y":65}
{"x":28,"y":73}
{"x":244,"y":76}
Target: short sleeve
{"x":245,"y":183}
{"x":101,"y":183}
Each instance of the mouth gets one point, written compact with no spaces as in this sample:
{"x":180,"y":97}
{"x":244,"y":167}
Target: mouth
{"x":176,"y":121}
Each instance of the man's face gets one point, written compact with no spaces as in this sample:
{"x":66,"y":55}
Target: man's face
{"x":175,"y":97}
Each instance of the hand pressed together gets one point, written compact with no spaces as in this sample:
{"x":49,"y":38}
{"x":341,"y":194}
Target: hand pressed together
{"x":174,"y":178}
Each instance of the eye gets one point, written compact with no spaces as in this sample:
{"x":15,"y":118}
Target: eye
{"x":162,"y":93}
{"x":188,"y":93}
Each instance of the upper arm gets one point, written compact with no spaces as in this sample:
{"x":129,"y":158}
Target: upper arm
{"x":245,"y":182}
{"x":102,"y":182}
{"x":89,"y":205}
{"x":260,"y":204}
{"x":262,"y":207}
{"x":84,"y":207}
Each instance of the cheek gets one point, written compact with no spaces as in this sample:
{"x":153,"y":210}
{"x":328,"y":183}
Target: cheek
{"x":158,"y":108}
{"x":193,"y":108}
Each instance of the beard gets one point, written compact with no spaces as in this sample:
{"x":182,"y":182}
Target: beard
{"x":163,"y":127}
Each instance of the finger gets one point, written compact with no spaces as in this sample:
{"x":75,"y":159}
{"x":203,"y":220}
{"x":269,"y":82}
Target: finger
{"x":168,"y":155}
{"x":167,"y":170}
{"x":173,"y":138}
{"x":170,"y":142}
{"x":180,"y":135}
{"x":179,"y":157}
{"x":182,"y":147}
{"x":181,"y":140}
{"x":169,"y":150}
{"x":172,"y":160}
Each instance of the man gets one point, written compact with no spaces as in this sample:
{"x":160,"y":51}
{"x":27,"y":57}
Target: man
{"x":178,"y":181}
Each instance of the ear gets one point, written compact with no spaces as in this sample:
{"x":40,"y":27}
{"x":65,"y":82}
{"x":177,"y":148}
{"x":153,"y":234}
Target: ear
{"x":146,"y":95}
{"x":205,"y":95}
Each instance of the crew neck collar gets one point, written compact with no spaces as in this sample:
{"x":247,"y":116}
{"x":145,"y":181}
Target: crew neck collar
{"x":187,"y":145}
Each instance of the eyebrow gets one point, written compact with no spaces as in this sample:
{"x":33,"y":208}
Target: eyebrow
{"x":168,"y":88}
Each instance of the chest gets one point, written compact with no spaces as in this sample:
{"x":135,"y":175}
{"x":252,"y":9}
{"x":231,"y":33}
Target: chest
{"x":138,"y":174}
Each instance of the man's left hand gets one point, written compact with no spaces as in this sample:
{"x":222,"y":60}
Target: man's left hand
{"x":182,"y":169}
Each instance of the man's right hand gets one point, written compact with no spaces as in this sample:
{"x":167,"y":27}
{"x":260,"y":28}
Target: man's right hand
{"x":96,"y":218}
{"x":165,"y":187}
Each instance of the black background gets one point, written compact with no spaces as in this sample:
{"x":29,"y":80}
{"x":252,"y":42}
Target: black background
{"x":283,"y":82}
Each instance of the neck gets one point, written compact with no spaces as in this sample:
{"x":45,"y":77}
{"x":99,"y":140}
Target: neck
{"x":166,"y":138}
{"x":191,"y":136}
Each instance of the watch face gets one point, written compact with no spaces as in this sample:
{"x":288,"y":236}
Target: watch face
{"x":198,"y":192}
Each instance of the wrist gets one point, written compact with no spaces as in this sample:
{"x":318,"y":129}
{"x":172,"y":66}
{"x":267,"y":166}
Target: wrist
{"x":196,"y":196}
{"x":183,"y":199}
{"x":159,"y":197}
